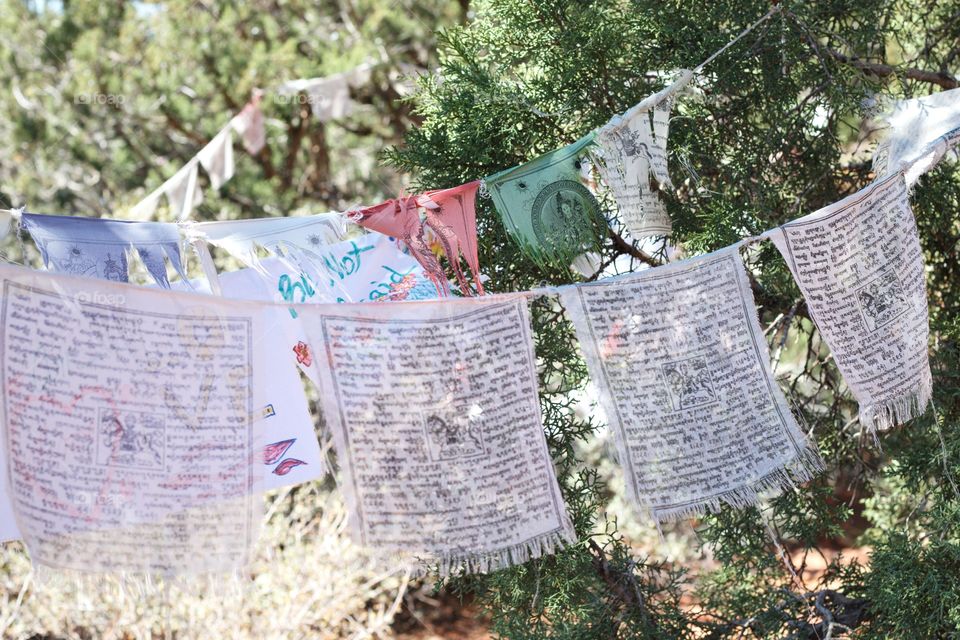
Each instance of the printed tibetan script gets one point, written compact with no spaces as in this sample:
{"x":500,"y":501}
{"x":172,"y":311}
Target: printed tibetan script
{"x":682,"y":369}
{"x":128,"y":421}
{"x":628,"y":156}
{"x":860,"y":268}
{"x":437,"y":427}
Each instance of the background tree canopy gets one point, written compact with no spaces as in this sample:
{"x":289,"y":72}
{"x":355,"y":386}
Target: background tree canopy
{"x":783,"y":125}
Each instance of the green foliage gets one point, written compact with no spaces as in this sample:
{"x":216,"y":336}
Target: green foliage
{"x":782,"y":128}
{"x":108,"y":100}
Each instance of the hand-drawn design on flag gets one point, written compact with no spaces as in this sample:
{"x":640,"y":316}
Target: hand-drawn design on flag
{"x":452,"y":435}
{"x":78,"y":264}
{"x":304,"y":356}
{"x":689,"y":383}
{"x":287,"y":466}
{"x":114,"y":270}
{"x":130,"y":438}
{"x":882,"y":301}
{"x":274,"y":451}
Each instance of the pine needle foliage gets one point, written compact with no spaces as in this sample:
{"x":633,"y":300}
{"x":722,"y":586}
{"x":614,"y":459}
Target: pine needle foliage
{"x":783,"y":125}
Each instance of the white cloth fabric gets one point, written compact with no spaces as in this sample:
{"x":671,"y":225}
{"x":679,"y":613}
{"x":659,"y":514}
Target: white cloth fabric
{"x":329,"y":97}
{"x":301,"y":237}
{"x":250,"y":125}
{"x":130,"y":431}
{"x":182,"y":191}
{"x":631,"y":150}
{"x":217,"y":158}
{"x":860,"y":267}
{"x":291,"y":451}
{"x":8,"y":523}
{"x":436,"y":421}
{"x":683,"y":375}
{"x":921,"y":131}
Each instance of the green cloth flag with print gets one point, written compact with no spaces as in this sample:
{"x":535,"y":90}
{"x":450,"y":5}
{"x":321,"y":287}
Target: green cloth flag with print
{"x":546,"y":206}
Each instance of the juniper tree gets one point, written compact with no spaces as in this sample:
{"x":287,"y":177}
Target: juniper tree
{"x":783,"y":126}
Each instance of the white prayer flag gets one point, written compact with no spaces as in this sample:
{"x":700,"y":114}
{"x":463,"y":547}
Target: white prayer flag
{"x":859,"y":265}
{"x":129,"y":425}
{"x":301,"y":237}
{"x":631,"y":149}
{"x":250,"y":125}
{"x":683,"y":374}
{"x":217,"y":158}
{"x":920,"y":131}
{"x":437,"y":427}
{"x":329,"y":96}
{"x":182,"y":191}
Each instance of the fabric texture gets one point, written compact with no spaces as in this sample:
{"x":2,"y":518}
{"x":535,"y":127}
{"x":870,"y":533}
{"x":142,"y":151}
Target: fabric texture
{"x":546,"y":207}
{"x":130,"y":442}
{"x":920,"y":131}
{"x":860,"y":267}
{"x":216,"y":158}
{"x":249,"y":124}
{"x":436,"y":421}
{"x":452,"y":216}
{"x":329,"y":97}
{"x":96,"y":247}
{"x":682,"y":371}
{"x":400,"y":218}
{"x":631,"y":157}
{"x":301,"y":237}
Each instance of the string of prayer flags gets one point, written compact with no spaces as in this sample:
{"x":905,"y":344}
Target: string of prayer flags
{"x":436,"y":422}
{"x":860,"y":267}
{"x":182,"y":191}
{"x":96,"y":247}
{"x":329,"y":97}
{"x":683,"y":374}
{"x":631,"y":157}
{"x":301,"y":237}
{"x":546,"y":207}
{"x":452,"y":216}
{"x":920,"y":131}
{"x":130,"y":430}
{"x":400,"y":218}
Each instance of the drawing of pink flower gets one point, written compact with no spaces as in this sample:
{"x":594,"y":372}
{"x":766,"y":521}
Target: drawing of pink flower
{"x":304,"y":356}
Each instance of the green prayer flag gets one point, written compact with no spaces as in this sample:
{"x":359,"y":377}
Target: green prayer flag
{"x":546,"y":206}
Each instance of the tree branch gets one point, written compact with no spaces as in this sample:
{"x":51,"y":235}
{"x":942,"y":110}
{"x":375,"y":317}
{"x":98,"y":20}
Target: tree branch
{"x":939,"y":78}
